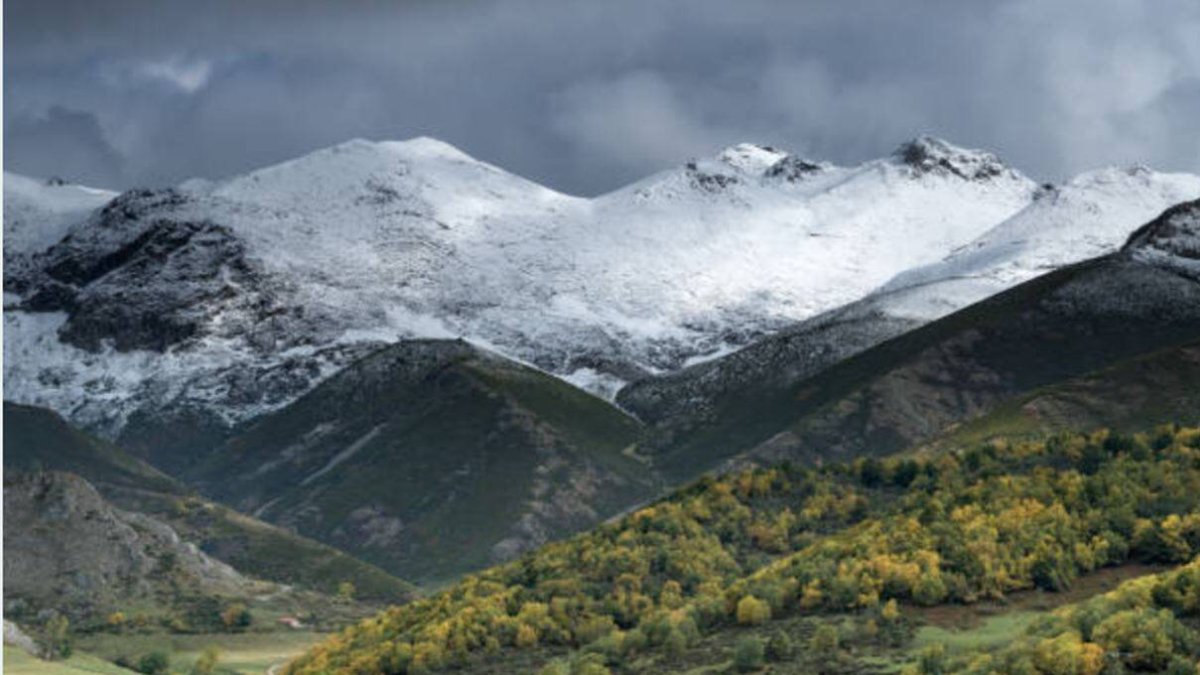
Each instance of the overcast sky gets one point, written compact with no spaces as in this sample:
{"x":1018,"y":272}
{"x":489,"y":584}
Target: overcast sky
{"x":586,"y":96}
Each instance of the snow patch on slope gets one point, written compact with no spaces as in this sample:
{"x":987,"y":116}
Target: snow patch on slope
{"x":1173,"y":241}
{"x":38,"y":213}
{"x":1090,"y":216}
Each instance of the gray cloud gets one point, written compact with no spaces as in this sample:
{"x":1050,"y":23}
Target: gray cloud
{"x":585,"y":96}
{"x":64,"y":144}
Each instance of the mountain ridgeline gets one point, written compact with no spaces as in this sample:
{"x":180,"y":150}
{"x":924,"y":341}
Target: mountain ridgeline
{"x":172,"y":315}
{"x":386,"y":364}
{"x":164,"y":319}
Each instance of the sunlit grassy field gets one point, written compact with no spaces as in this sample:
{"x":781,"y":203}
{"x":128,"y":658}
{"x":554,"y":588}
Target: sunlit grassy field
{"x":17,"y":662}
{"x":245,"y":654}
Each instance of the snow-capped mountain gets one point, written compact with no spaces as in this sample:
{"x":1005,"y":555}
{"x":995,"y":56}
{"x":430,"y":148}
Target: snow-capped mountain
{"x":798,"y":394}
{"x":1089,"y":216}
{"x":230,"y":299}
{"x":765,"y":239}
{"x":38,"y":213}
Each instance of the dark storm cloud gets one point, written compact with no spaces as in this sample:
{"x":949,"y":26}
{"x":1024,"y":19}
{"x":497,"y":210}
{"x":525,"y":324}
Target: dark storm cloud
{"x":584,"y":96}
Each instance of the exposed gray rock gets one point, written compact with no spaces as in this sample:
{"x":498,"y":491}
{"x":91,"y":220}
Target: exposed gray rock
{"x":15,"y":637}
{"x":67,"y":549}
{"x":926,"y":154}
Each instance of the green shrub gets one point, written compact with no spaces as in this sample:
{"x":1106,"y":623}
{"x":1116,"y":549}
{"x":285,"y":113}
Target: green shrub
{"x":589,"y":664}
{"x":594,"y":628}
{"x":676,"y":643}
{"x":748,"y":655}
{"x":932,"y":660}
{"x":825,"y":640}
{"x":780,"y":647}
{"x":59,"y":642}
{"x":207,"y":663}
{"x":556,"y":667}
{"x":154,"y":663}
{"x":1145,"y":638}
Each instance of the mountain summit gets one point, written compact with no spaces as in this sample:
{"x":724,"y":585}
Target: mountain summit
{"x":926,"y":154}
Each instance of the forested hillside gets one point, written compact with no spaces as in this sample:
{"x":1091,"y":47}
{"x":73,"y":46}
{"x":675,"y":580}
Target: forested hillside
{"x":1145,"y":625}
{"x":854,"y":543}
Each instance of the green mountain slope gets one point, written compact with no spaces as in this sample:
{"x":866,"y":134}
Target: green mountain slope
{"x":39,"y":439}
{"x":675,"y":406}
{"x":36,"y":439}
{"x":1147,"y":390}
{"x":430,"y":458}
{"x":912,"y":388}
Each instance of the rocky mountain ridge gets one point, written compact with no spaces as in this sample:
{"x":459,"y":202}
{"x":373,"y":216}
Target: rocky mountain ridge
{"x":71,"y":551}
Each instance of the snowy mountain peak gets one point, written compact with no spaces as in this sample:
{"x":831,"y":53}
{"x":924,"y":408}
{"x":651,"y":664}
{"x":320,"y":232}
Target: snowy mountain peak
{"x":745,"y":165}
{"x":382,"y":168}
{"x":930,"y":155}
{"x":750,"y":158}
{"x":418,"y":147}
{"x":1117,"y":177}
{"x":360,"y":154}
{"x":792,"y":168}
{"x":362,"y":190}
{"x":38,"y":213}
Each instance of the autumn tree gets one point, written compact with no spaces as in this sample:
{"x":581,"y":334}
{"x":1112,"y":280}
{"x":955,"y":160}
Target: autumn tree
{"x":236,"y":617}
{"x":751,"y":611}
